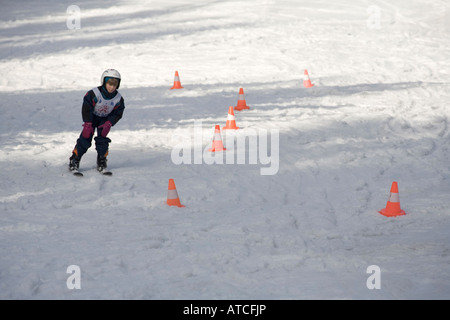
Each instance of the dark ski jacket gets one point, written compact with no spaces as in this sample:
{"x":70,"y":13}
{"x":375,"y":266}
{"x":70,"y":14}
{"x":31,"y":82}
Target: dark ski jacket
{"x":90,"y":101}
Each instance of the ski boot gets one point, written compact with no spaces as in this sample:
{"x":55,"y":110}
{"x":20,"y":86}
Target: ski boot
{"x":74,"y":162}
{"x":101,"y":165}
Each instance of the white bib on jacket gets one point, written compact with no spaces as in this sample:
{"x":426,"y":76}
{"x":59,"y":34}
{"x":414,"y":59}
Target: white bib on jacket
{"x":103,"y":107}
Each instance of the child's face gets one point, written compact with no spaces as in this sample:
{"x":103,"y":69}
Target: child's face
{"x":110,"y":87}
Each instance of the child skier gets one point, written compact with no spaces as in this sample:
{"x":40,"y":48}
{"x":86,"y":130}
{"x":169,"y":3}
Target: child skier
{"x":102,"y":108}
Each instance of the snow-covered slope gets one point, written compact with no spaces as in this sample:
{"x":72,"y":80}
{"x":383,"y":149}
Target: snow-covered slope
{"x":378,"y":113}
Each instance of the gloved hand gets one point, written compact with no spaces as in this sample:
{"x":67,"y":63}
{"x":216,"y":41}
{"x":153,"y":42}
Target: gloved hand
{"x":105,"y":128}
{"x":87,"y":130}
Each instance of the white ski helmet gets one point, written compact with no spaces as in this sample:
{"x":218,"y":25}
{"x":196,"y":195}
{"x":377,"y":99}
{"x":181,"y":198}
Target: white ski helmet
{"x":111,"y":73}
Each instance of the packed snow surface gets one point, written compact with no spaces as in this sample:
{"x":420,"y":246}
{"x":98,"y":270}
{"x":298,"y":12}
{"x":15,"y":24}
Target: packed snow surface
{"x":288,"y":211}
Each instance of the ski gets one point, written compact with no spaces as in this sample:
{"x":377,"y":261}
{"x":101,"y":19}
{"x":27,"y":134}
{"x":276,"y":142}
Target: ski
{"x":104,"y":171}
{"x":77,"y":173}
{"x":80,"y":174}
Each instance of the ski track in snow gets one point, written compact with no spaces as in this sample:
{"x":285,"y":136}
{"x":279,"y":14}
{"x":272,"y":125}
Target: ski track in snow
{"x":377,"y":113}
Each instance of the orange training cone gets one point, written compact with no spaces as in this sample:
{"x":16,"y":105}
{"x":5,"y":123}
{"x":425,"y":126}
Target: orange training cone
{"x":306,"y":82}
{"x":176,"y":82}
{"x":393,"y":205}
{"x":241,"y":105}
{"x":172,"y":195}
{"x":217,"y":144}
{"x":231,"y":122}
